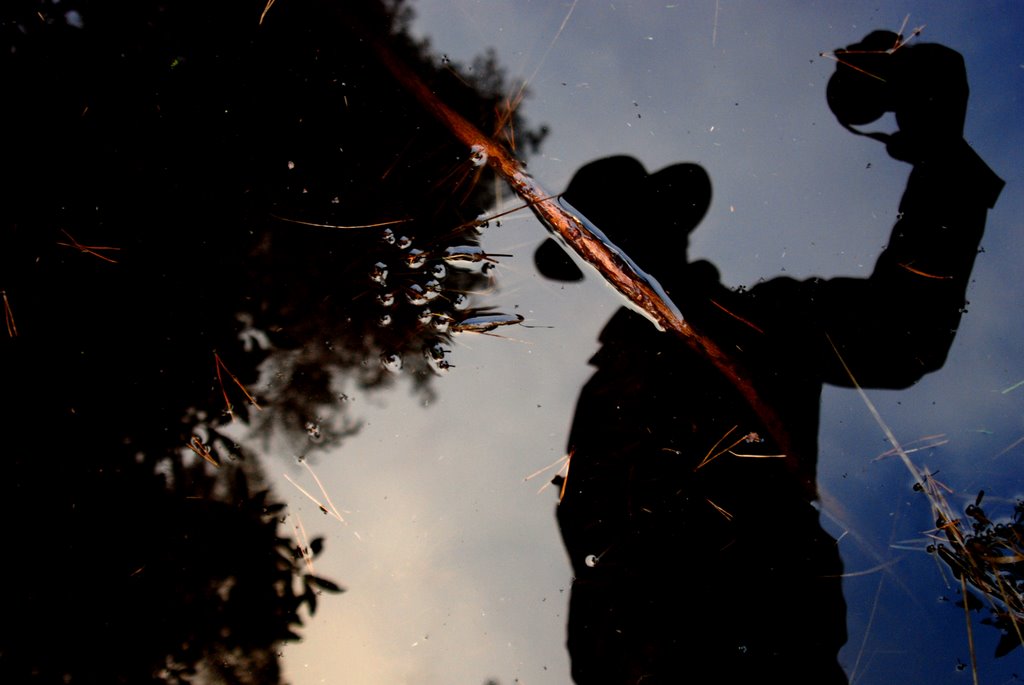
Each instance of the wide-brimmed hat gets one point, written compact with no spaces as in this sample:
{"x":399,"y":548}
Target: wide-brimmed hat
{"x":647,"y":216}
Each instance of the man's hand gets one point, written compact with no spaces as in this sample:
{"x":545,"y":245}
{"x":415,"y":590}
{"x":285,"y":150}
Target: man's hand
{"x":924,"y":84}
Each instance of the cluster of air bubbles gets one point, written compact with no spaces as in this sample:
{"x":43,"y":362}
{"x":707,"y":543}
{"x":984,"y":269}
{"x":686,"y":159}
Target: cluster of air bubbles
{"x":423,"y":292}
{"x":313,"y":430}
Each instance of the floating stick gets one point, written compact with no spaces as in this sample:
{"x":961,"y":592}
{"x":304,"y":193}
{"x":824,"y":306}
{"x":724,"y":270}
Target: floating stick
{"x":569,"y":225}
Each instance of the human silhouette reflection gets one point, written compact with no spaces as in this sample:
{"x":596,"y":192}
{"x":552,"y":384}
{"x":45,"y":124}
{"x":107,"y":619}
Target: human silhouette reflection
{"x":695,"y":547}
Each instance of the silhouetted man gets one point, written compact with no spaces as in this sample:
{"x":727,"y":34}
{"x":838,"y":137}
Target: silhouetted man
{"x":693,"y":539}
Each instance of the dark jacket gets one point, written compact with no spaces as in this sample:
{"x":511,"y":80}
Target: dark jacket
{"x":691,"y":539}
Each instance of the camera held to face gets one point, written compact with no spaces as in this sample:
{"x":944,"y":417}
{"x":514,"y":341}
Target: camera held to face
{"x":863,"y":87}
{"x":925,"y":84}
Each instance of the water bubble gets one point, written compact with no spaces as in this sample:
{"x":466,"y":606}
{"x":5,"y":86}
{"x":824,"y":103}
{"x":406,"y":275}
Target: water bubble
{"x":483,"y":323}
{"x":436,"y":351}
{"x":379,"y":273}
{"x":461,"y":302}
{"x":391,"y":361}
{"x":463,"y":253}
{"x":487,"y":268}
{"x":478,"y":155}
{"x":291,"y":164}
{"x":425,"y":316}
{"x":431,"y":289}
{"x":415,"y":295}
{"x":416,"y":258}
{"x":313,"y":430}
{"x":384,"y":320}
{"x":388,"y":236}
{"x":439,"y":271}
{"x":435,"y":358}
{"x":591,"y":560}
{"x":386,"y":299}
{"x":403,"y":242}
{"x":442,"y":322}
{"x":439,"y":366}
{"x":74,"y":19}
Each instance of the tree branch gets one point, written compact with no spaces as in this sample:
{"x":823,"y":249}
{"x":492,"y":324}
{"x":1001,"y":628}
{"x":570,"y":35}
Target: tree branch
{"x":572,"y":228}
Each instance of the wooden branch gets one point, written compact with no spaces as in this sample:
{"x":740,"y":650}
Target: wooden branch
{"x":641,"y":291}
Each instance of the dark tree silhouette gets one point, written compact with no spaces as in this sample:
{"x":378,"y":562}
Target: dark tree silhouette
{"x":176,"y":176}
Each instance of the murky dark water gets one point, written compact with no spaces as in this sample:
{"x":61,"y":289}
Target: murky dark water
{"x":179,"y":180}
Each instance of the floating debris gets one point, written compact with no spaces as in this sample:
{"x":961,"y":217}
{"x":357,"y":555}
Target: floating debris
{"x":486,"y":322}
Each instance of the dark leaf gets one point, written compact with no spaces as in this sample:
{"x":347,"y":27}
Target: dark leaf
{"x":323,"y":583}
{"x":309,"y":596}
{"x":1007,"y":643}
{"x":273,"y":508}
{"x":288,"y":636}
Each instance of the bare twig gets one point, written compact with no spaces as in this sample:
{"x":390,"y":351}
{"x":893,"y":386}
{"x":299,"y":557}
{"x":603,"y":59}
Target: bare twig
{"x":220,"y":380}
{"x":94,"y":250}
{"x":12,"y":329}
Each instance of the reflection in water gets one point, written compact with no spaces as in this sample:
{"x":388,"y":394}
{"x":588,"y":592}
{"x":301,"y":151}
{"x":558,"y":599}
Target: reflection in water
{"x":692,"y":537}
{"x":989,"y":557}
{"x":207,"y":210}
